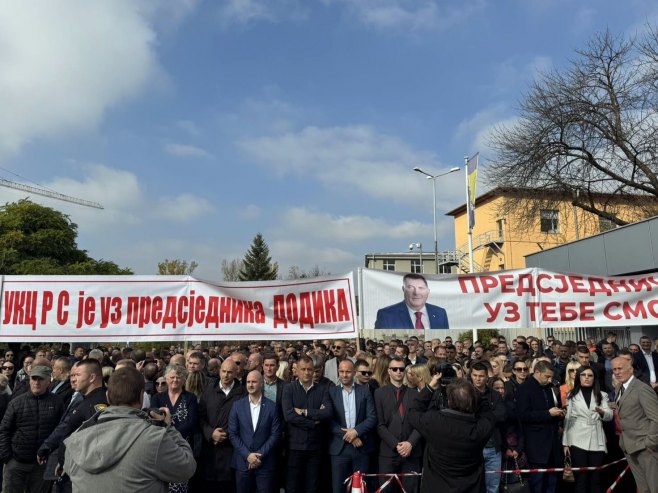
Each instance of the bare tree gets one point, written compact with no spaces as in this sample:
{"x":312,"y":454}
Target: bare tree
{"x":176,"y":267}
{"x":231,"y":269}
{"x":295,"y":272}
{"x":589,"y":132}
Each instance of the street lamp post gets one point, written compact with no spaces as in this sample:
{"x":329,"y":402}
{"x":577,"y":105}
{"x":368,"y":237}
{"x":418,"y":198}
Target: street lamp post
{"x":433,"y":178}
{"x":419,"y":246}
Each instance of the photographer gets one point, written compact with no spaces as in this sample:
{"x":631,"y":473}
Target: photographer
{"x":455,"y":463}
{"x":123,"y":448}
{"x":447,"y":375}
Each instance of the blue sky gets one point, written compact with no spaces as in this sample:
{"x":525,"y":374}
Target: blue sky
{"x":198,"y":124}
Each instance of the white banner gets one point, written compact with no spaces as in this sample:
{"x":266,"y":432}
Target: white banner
{"x":153,"y":308}
{"x":514,"y":299}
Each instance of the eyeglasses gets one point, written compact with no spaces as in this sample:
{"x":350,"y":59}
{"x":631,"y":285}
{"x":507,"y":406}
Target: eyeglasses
{"x":572,"y":370}
{"x":521,"y":369}
{"x":366,"y":373}
{"x":337,"y":347}
{"x":161,"y":384}
{"x":5,"y":368}
{"x":396,"y":368}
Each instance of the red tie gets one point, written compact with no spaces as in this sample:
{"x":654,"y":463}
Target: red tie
{"x":398,"y":397}
{"x":419,"y":321}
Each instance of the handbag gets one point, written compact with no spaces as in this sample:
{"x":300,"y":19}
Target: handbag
{"x":567,"y":475}
{"x":520,"y":486}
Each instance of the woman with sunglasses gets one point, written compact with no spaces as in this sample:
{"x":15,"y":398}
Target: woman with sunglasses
{"x":583,"y":438}
{"x":569,"y":380}
{"x":519,"y":375}
{"x":8,"y":370}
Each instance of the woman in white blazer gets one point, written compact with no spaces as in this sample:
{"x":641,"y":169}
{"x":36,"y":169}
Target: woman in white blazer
{"x":583,"y":438}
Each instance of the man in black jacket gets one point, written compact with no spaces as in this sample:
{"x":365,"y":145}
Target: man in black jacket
{"x":453,"y":463}
{"x":401,"y":449}
{"x":306,"y":409}
{"x":29,"y":419}
{"x":87,"y":379}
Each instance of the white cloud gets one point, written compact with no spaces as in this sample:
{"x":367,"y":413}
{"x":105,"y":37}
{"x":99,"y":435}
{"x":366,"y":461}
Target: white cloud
{"x":64,"y":64}
{"x":413,"y":15}
{"x":358,"y":157}
{"x":288,"y":253}
{"x":186,"y":150}
{"x":189,"y":127}
{"x":251,"y":211}
{"x":302,"y":222}
{"x":250,"y":11}
{"x":183,"y":207}
{"x":512,"y":76}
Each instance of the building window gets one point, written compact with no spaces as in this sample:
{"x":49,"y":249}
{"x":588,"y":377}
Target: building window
{"x":416,"y":267}
{"x":445,"y":269}
{"x":549,"y":221}
{"x":500,"y":223}
{"x":389,"y":264}
{"x":606,"y":224}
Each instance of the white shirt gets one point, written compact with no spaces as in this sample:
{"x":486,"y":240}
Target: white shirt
{"x":255,"y":410}
{"x":424,"y":316}
{"x":652,"y":370}
{"x":224,"y":389}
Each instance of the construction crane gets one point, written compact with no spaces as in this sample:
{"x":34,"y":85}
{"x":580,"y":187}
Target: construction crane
{"x":48,"y":193}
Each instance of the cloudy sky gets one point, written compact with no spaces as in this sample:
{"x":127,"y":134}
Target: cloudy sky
{"x":198,"y":124}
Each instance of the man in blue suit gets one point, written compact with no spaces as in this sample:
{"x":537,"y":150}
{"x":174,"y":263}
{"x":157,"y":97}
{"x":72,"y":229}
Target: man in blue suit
{"x":254,"y":430}
{"x":414,"y":312}
{"x":354,"y":419}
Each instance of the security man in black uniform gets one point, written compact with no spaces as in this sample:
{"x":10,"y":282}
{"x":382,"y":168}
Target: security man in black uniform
{"x":89,"y":398}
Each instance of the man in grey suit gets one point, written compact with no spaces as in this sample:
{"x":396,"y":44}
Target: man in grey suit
{"x":637,"y":405}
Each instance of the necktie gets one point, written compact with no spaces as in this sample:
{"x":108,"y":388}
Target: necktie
{"x":419,"y":321}
{"x":621,"y":392}
{"x":398,"y":397}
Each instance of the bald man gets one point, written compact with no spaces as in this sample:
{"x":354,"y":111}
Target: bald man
{"x":254,"y":430}
{"x":214,"y":411}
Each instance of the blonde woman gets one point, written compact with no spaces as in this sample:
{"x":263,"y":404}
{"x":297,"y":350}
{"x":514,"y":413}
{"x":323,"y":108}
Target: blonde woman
{"x":569,"y":380}
{"x":418,"y":376}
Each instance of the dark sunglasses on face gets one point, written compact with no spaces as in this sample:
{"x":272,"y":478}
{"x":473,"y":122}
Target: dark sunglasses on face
{"x":366,"y":373}
{"x":337,"y":347}
{"x":5,"y":368}
{"x":161,"y":384}
{"x":396,"y":368}
{"x":521,"y":368}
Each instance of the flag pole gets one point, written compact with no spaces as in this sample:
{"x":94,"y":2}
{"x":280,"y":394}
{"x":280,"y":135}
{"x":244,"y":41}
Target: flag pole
{"x":468,"y":217}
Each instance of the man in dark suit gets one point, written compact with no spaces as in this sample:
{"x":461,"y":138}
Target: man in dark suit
{"x":647,"y":362}
{"x":254,"y":430}
{"x":413,"y":312}
{"x":401,"y":448}
{"x":273,"y":390}
{"x":214,"y":411}
{"x":61,"y":385}
{"x":539,"y":409}
{"x":353,"y":420}
{"x":637,"y":406}
{"x":306,"y":409}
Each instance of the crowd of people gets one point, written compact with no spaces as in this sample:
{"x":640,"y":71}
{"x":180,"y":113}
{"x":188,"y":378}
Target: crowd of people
{"x":305,"y":416}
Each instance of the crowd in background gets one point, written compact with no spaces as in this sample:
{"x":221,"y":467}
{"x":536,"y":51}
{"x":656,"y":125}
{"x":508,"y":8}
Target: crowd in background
{"x":337,"y":407}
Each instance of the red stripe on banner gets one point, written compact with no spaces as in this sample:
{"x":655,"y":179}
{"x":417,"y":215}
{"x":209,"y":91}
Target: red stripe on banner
{"x":555,"y":469}
{"x":621,"y":475}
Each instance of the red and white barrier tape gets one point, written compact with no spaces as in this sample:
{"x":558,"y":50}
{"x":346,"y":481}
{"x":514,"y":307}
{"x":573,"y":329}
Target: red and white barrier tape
{"x":391,"y":477}
{"x":614,"y":485}
{"x":555,"y":469}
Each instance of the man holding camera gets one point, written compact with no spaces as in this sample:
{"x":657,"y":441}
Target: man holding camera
{"x":453,"y":464}
{"x":122,"y":449}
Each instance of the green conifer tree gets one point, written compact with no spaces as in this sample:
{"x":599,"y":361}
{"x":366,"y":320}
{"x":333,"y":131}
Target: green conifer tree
{"x":257,"y":264}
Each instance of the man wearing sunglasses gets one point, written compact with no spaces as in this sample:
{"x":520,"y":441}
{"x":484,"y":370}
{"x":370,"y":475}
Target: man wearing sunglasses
{"x":339,"y":349}
{"x":401,"y":448}
{"x":413,"y":312}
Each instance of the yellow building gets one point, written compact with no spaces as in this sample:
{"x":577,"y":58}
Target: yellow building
{"x":501,"y":239}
